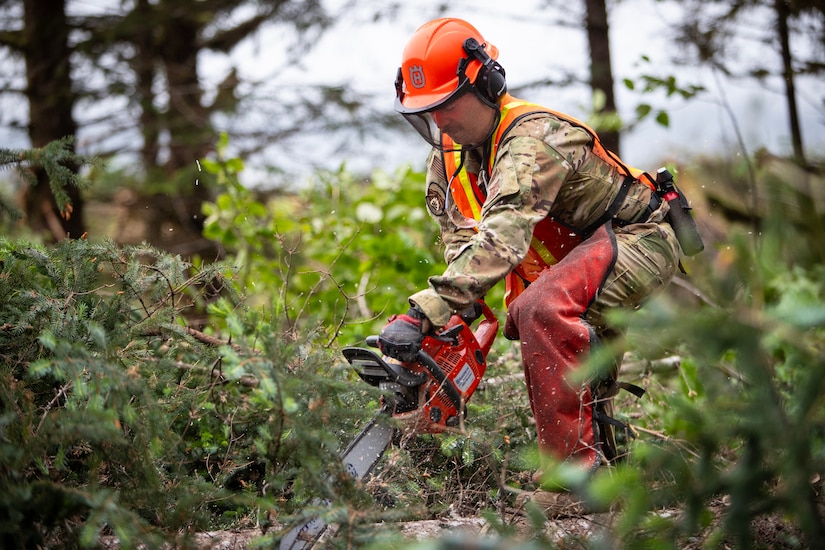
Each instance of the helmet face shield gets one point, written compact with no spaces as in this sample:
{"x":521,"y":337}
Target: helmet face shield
{"x":426,"y":127}
{"x":421,"y":118}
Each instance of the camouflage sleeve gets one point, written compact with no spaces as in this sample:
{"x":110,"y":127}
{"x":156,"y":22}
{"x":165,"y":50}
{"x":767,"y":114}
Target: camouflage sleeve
{"x":527,"y":176}
{"x":453,"y":237}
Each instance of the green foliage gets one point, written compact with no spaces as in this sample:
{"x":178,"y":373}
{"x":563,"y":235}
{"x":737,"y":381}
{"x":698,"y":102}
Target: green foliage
{"x":79,"y":420}
{"x":342,"y":250}
{"x":668,"y":85}
{"x":743,"y":420}
{"x":55,"y":159}
{"x":118,"y":417}
{"x":644,"y":85}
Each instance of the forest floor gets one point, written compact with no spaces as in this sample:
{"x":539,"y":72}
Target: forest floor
{"x":769,"y":531}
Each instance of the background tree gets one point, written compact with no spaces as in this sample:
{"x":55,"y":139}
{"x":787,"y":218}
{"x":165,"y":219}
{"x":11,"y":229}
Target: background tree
{"x":592,"y":16}
{"x":43,"y":43}
{"x":138,"y":66}
{"x":601,"y":73}
{"x":161,"y":43}
{"x":710,"y":28}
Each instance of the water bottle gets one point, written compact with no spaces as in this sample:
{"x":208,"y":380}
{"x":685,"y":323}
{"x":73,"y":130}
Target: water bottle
{"x":679,"y":217}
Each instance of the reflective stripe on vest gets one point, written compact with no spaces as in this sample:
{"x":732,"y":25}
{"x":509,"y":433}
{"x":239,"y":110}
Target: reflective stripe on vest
{"x":551,"y":240}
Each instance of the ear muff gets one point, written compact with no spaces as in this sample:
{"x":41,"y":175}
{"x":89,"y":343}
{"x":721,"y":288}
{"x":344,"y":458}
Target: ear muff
{"x":491,"y":80}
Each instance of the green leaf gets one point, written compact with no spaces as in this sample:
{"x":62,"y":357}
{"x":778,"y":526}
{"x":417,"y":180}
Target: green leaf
{"x":98,"y":335}
{"x":234,"y":166}
{"x":368,"y":212}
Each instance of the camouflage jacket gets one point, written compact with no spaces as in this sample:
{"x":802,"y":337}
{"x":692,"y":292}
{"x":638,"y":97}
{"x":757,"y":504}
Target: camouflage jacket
{"x":543,"y":167}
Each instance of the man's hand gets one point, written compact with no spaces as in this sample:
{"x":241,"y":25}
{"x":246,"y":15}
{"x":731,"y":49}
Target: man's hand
{"x":401,"y":338}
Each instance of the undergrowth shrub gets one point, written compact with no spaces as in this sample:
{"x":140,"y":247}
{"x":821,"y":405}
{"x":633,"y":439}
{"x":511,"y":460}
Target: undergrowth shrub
{"x":347,"y":250}
{"x":117,"y":417}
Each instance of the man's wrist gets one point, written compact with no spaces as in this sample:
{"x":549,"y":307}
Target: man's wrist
{"x":434,"y":308}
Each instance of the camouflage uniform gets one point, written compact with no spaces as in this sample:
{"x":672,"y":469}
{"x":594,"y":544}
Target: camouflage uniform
{"x":545,"y":167}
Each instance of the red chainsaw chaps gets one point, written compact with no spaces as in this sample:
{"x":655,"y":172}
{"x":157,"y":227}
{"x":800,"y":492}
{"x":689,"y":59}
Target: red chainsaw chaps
{"x":555,"y":339}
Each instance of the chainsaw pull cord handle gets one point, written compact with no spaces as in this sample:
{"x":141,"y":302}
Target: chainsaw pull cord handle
{"x":441,"y":377}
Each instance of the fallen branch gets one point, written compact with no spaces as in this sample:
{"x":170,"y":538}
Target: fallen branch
{"x":645,"y":366}
{"x":194,"y":333}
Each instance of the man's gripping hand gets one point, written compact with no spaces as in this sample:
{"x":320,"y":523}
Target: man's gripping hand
{"x":401,"y":338}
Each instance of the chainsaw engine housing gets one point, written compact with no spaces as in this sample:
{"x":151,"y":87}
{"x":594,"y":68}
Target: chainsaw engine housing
{"x":438,"y":385}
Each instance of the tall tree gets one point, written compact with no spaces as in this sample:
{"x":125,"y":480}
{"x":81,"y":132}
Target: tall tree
{"x":601,"y":72}
{"x":43,"y":43}
{"x":710,"y":26}
{"x":162,"y":44}
{"x":142,"y":64}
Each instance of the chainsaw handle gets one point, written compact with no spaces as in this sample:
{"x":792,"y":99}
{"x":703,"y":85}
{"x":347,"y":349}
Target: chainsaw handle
{"x":485,"y":333}
{"x":440,"y":376}
{"x":487,"y":329}
{"x":426,"y":360}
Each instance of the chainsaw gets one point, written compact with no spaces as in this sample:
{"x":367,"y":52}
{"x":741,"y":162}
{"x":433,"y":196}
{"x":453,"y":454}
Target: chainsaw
{"x":428,"y":395}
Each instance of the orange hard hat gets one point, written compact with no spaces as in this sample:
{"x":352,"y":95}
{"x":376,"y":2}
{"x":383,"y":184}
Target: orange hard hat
{"x":436,"y":65}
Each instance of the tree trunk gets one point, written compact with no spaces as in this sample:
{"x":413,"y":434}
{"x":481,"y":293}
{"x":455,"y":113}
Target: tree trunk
{"x":144,"y":66}
{"x":187,"y":120}
{"x":601,"y":74}
{"x":51,"y":102}
{"x":782,"y":15}
{"x":176,"y":135}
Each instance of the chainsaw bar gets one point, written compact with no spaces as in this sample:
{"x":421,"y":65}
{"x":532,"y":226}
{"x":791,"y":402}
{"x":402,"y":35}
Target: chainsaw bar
{"x":446,"y":371}
{"x":359,"y":459}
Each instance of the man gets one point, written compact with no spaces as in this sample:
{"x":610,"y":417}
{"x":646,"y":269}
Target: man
{"x":528,"y":195}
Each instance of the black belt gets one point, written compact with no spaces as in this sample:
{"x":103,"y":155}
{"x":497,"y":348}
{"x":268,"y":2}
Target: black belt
{"x":618,"y":200}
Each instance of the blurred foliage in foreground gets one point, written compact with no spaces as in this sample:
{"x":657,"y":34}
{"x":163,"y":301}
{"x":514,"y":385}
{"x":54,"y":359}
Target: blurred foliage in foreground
{"x":148,"y":398}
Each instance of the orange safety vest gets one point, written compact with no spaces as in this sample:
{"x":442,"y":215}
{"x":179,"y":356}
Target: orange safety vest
{"x":551,"y":239}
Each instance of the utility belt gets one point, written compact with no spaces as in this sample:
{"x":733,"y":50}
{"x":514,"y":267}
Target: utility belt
{"x":678,"y":216}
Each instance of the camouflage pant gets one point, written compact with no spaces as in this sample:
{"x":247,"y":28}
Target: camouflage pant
{"x":647,"y":259}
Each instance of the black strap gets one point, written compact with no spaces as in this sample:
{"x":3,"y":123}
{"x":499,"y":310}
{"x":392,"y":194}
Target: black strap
{"x":602,"y":418}
{"x":638,"y":391}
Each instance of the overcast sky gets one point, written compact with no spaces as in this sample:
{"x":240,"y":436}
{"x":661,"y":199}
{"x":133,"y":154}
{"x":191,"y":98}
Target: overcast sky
{"x":366,"y":54}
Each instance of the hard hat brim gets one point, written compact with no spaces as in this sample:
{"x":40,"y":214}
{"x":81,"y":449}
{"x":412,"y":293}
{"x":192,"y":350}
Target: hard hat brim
{"x":425,"y":103}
